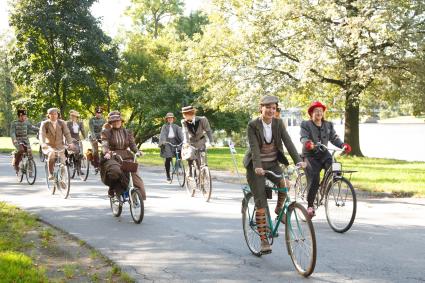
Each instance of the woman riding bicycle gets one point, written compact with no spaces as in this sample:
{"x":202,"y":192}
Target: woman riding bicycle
{"x":265,"y":152}
{"x":317,"y":129}
{"x":117,"y":140}
{"x":194,"y":129}
{"x":75,"y":128}
{"x":171,"y":133}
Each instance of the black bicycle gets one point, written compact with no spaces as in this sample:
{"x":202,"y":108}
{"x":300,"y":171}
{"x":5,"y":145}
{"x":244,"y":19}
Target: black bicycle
{"x":178,"y":166}
{"x":77,"y":162}
{"x":27,"y":166}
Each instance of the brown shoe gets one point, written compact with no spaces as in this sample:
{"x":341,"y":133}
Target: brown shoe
{"x":265,"y":247}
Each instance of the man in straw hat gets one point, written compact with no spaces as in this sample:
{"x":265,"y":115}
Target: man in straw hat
{"x":266,"y":136}
{"x":53,"y":131}
{"x":95,"y":124}
{"x":173,"y":134}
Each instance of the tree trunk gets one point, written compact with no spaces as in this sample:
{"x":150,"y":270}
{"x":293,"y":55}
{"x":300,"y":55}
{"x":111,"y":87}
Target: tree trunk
{"x":351,"y":134}
{"x":108,"y":95}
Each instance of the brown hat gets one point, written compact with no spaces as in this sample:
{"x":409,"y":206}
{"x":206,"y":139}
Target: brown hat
{"x":269,"y":99}
{"x":170,"y":115}
{"x":114,"y":116}
{"x":74,"y":113}
{"x":189,"y":108}
{"x":51,"y":110}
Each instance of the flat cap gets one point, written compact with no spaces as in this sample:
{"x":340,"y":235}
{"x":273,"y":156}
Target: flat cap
{"x":51,"y":110}
{"x":269,"y":99}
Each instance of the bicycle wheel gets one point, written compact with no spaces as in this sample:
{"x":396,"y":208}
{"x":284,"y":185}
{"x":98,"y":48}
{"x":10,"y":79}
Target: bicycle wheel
{"x":84,"y":168}
{"x":30,"y":171}
{"x":300,"y":239}
{"x":249,"y":225}
{"x":41,"y":154}
{"x":180,"y":173}
{"x":205,"y":182}
{"x":116,"y":205}
{"x":50,"y":183}
{"x":63,"y":182}
{"x":299,"y":192}
{"x":72,"y":167}
{"x":137,"y":208}
{"x":21,"y":170}
{"x":340,"y":205}
{"x":191,"y":183}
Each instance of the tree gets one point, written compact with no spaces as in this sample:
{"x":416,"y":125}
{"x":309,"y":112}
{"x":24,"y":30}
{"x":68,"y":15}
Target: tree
{"x":59,"y":48}
{"x":192,"y":24}
{"x":6,"y":88}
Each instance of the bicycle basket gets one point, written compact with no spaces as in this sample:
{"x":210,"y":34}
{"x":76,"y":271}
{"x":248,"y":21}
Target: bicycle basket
{"x":189,"y":152}
{"x":129,"y":166}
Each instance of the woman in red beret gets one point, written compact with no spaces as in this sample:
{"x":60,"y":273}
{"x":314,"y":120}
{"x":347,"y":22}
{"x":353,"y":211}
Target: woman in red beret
{"x":317,"y":129}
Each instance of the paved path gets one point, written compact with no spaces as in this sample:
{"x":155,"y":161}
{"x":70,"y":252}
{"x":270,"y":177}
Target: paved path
{"x":186,"y":239}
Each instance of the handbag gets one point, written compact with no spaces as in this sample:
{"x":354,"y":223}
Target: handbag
{"x":189,"y":152}
{"x":129,"y":166}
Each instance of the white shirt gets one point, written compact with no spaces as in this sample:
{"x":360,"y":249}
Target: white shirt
{"x":267,"y":130}
{"x":75,"y":127}
{"x":171,"y":132}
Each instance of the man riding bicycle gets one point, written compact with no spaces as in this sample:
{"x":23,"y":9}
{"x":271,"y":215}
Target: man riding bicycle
{"x":194,"y":129}
{"x":19,"y":131}
{"x":95,"y":124}
{"x":317,"y":129}
{"x":53,"y":131}
{"x":266,"y":136}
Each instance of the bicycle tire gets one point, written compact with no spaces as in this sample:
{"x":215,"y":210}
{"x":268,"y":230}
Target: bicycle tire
{"x":300,"y":240}
{"x":63,"y":184}
{"x":340,"y":201}
{"x":50,"y":184}
{"x":41,"y":154}
{"x":116,"y":205}
{"x":21,"y":170}
{"x":72,"y":166}
{"x":31,"y":174}
{"x":249,"y":225}
{"x":84,"y":168}
{"x":191,"y":183}
{"x":180,"y":173}
{"x":137,"y":208}
{"x":300,"y":188}
{"x":205,"y":183}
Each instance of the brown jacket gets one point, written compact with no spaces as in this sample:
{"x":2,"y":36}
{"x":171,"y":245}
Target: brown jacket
{"x":55,"y":138}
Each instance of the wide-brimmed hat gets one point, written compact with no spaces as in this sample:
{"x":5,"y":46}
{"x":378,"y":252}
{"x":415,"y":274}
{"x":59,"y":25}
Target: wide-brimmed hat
{"x":169,"y":115}
{"x":315,"y":104}
{"x":74,"y":113}
{"x":114,"y":116}
{"x":53,"y":109}
{"x":21,"y":112}
{"x":269,"y":99}
{"x":189,"y":108}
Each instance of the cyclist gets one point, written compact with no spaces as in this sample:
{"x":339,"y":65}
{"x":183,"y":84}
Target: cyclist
{"x":265,"y":152}
{"x":95,"y":125}
{"x":53,"y":132}
{"x":317,"y":129}
{"x":118,"y":139}
{"x":19,"y":131}
{"x":171,"y":133}
{"x":75,"y":128}
{"x":194,"y":129}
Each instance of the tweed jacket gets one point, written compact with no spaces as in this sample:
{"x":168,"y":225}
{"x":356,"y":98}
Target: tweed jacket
{"x":256,"y":138}
{"x":197,"y":139}
{"x":81,"y":129}
{"x":95,"y":125}
{"x":325,"y":134}
{"x":55,"y":138}
{"x":19,"y":130}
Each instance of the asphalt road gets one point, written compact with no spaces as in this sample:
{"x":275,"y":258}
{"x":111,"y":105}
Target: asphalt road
{"x":186,"y":239}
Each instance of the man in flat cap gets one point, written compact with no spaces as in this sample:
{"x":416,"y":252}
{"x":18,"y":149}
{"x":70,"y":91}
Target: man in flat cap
{"x":19,"y":131}
{"x":266,"y":136}
{"x":95,"y":124}
{"x":53,"y":132}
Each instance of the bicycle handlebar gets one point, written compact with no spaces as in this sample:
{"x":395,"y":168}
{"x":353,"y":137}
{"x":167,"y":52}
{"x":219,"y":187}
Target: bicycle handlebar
{"x":174,"y":145}
{"x":322,"y":146}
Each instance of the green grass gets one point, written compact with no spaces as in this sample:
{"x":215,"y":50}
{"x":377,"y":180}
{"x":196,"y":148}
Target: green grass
{"x":374,"y":174}
{"x":15,"y":266}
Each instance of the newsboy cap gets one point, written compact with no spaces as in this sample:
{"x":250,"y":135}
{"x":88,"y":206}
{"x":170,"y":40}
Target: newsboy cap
{"x":269,"y":99}
{"x":51,"y":110}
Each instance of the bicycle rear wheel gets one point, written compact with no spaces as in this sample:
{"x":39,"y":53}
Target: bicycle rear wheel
{"x":180,"y":173}
{"x":300,"y":239}
{"x":340,"y":204}
{"x":116,"y":205}
{"x":137,"y":208}
{"x":30,"y":171}
{"x":84,"y":168}
{"x":249,"y":225}
{"x":63,"y":183}
{"x":205,"y":183}
{"x":72,"y":167}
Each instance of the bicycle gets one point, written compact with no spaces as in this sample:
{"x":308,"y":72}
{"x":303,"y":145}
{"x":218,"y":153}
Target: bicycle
{"x":27,"y":166}
{"x":78,"y":163}
{"x":178,"y":166}
{"x":300,"y":236}
{"x":132,"y":195}
{"x":335,"y":191}
{"x":201,"y":176}
{"x":61,"y":177}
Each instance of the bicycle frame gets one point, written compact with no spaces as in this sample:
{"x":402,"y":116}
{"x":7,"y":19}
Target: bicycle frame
{"x":130,"y":186}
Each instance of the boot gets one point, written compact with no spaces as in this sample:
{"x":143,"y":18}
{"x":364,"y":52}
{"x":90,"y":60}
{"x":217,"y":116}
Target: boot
{"x":168,"y":177}
{"x":260,"y":216}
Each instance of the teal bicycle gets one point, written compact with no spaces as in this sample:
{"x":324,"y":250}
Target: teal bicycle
{"x":178,"y":166}
{"x":300,"y":237}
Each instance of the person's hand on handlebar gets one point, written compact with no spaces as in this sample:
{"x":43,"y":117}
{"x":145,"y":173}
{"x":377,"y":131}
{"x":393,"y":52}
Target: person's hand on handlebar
{"x":107,"y":155}
{"x":346,"y":147}
{"x":309,"y":145}
{"x":302,"y":164}
{"x":259,"y":171}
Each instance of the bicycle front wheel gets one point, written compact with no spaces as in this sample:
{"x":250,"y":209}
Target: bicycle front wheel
{"x":205,"y":183}
{"x":249,"y":225}
{"x":21,"y":170}
{"x":180,"y":173}
{"x":50,"y":183}
{"x":116,"y":205}
{"x":31,"y":171}
{"x":191,"y":183}
{"x":299,"y":192}
{"x":137,"y":208}
{"x":340,"y":204}
{"x":84,"y":168}
{"x":63,"y":183}
{"x":300,"y":239}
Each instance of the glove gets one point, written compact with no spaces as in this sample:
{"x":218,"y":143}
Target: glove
{"x":346,"y":147}
{"x":107,"y":156}
{"x":309,"y":145}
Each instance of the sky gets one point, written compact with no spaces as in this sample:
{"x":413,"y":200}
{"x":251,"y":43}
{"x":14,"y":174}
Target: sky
{"x":111,"y":12}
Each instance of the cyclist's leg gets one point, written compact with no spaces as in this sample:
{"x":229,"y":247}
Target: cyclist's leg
{"x":167,"y":165}
{"x":95,"y":148}
{"x":18,"y":156}
{"x":279,"y":182}
{"x":51,"y":156}
{"x":312,"y":171}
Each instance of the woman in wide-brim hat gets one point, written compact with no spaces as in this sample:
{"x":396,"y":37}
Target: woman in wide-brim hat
{"x":171,"y":133}
{"x":117,"y":140}
{"x":315,"y":130}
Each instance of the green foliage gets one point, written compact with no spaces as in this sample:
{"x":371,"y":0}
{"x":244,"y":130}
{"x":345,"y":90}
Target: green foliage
{"x":191,"y":24}
{"x":6,"y":87}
